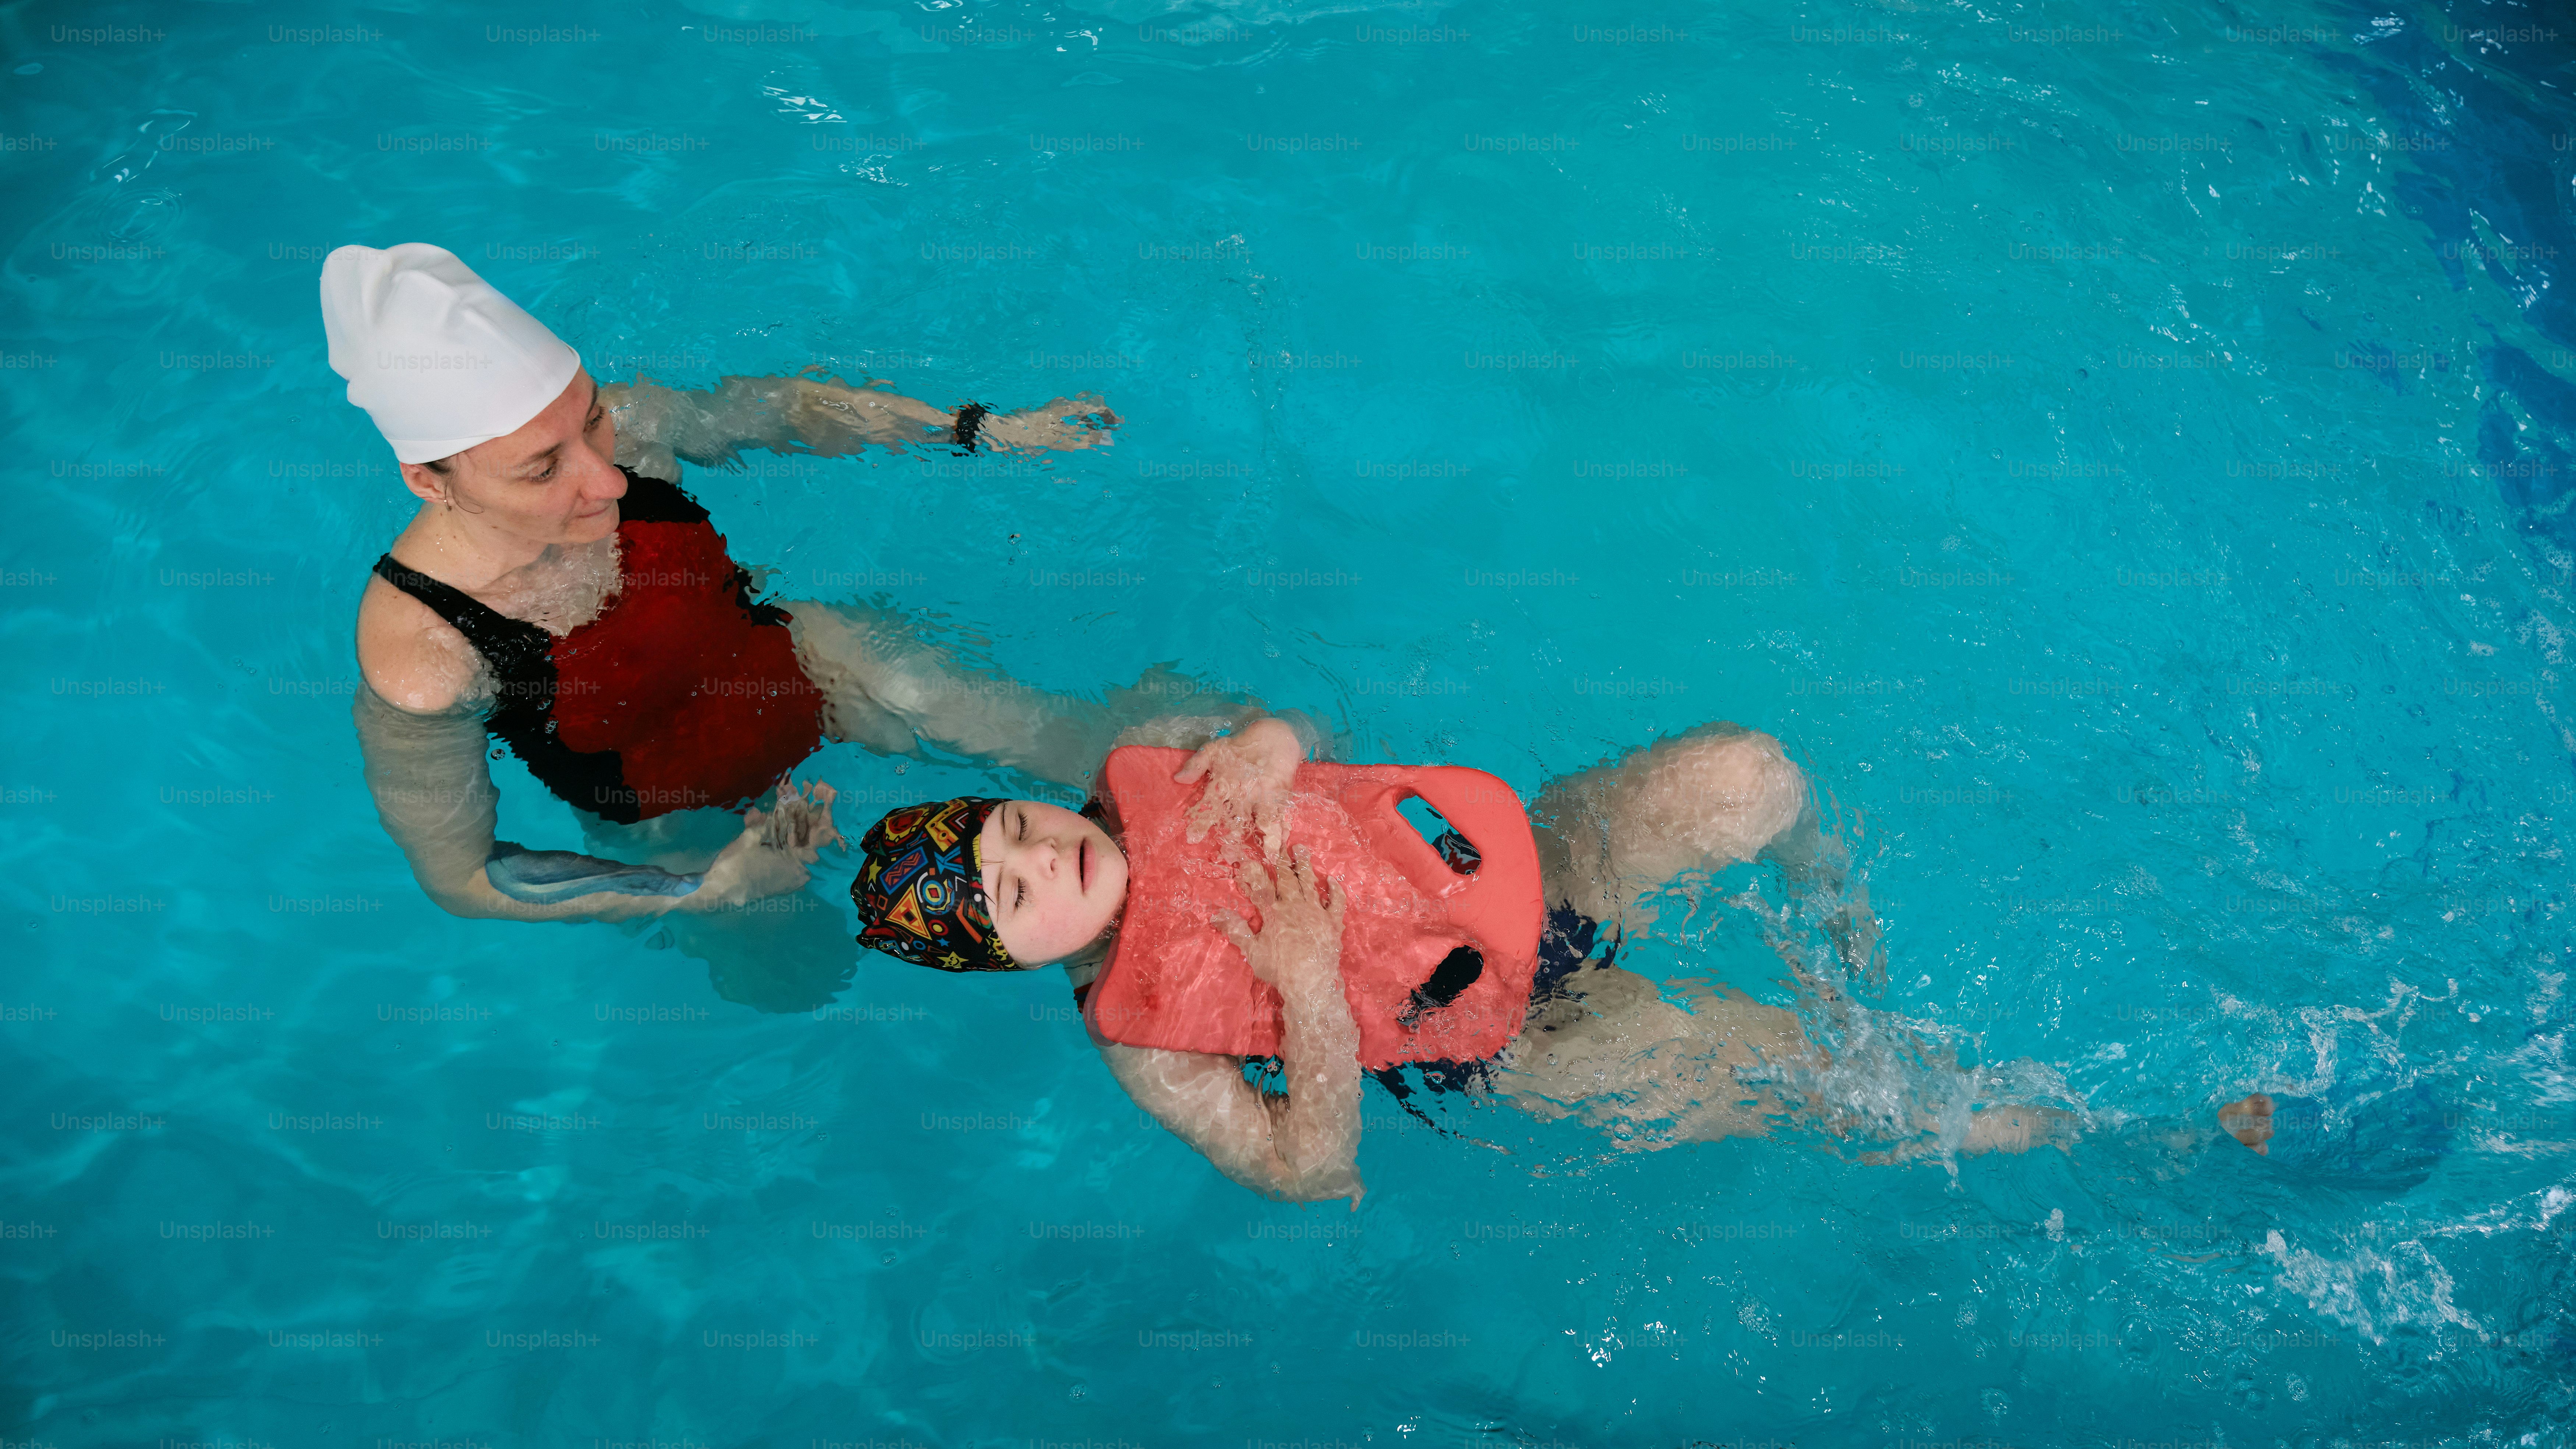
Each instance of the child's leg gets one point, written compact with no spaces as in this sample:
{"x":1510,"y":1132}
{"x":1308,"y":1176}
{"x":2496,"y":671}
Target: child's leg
{"x":1698,"y":801}
{"x":1651,"y":1074}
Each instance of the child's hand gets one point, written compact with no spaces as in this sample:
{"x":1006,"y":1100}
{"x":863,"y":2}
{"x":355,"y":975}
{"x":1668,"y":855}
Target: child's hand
{"x":1250,"y":774}
{"x":2249,"y":1122}
{"x":1300,"y":935}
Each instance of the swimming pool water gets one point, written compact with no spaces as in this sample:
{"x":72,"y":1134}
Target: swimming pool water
{"x":2122,"y":452}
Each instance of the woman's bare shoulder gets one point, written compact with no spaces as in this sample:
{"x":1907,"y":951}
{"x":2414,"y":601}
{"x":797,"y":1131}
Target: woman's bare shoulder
{"x":411,"y":658}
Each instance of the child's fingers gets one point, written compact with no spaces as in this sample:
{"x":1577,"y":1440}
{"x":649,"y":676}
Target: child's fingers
{"x":1214,"y":809}
{"x":1196,"y":765}
{"x":1257,"y":883}
{"x":1302,"y":861}
{"x":1236,"y":929}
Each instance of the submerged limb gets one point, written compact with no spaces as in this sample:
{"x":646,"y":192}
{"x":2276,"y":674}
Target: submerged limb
{"x":432,"y":783}
{"x":887,"y":688}
{"x":2003,"y":1127}
{"x":1654,"y":1074}
{"x":1080,"y":421}
{"x":1701,"y":801}
{"x":769,"y":857}
{"x":1204,"y":1100}
{"x":890,"y":689}
{"x":1698,"y":801}
{"x":1816,"y":868}
{"x":1612,"y":1052}
{"x":658,"y":426}
{"x":1298,"y":952}
{"x":1877,"y":1078}
{"x":546,"y":876}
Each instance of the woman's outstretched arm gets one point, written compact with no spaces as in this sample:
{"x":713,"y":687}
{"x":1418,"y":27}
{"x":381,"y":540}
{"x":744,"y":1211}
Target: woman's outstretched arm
{"x":821,"y":415}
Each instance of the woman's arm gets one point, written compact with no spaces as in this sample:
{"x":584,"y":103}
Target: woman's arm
{"x":894,"y":688}
{"x":1302,"y":1147}
{"x":434,"y":794}
{"x":822,"y":415}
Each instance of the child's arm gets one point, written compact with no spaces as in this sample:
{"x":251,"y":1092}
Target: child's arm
{"x":1303,"y":1147}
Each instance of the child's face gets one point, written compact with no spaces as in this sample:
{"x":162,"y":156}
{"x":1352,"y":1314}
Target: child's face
{"x":1055,"y":880}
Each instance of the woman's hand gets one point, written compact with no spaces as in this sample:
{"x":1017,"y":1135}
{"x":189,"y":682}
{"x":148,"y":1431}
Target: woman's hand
{"x":801,"y":823}
{"x":1250,"y":775}
{"x":771,"y":855}
{"x":1032,"y":430}
{"x":1301,"y":935}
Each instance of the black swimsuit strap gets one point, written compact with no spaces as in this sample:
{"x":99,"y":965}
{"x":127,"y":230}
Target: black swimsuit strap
{"x":656,"y":500}
{"x":510,"y":646}
{"x":523,"y":669}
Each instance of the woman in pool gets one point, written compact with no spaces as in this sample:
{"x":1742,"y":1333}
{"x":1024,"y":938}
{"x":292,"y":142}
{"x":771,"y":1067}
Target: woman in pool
{"x":1003,"y":885}
{"x":558,"y":592}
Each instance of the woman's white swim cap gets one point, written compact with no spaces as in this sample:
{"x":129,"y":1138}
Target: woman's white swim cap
{"x":439,"y":359}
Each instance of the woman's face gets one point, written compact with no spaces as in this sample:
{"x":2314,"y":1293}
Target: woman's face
{"x":1055,"y":880}
{"x":554,"y":481}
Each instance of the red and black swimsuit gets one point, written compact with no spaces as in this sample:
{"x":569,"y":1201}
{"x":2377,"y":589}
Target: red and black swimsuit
{"x":682,"y":693}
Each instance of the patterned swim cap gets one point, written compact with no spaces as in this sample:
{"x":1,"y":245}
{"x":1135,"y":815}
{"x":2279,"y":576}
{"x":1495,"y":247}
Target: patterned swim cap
{"x":920,"y":890}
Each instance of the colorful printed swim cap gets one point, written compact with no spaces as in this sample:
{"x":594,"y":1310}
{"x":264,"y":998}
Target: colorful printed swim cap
{"x":920,"y":891}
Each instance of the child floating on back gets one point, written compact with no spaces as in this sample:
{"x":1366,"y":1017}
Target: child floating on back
{"x":978,"y":884}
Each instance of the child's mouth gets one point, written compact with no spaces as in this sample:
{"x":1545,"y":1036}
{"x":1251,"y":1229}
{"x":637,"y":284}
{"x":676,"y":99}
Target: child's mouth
{"x":1082,"y":865}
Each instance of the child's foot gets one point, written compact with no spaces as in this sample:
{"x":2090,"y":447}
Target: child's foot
{"x":2249,"y":1122}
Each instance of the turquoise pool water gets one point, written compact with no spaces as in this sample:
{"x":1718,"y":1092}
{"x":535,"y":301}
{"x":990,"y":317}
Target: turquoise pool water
{"x":2123,"y":453}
